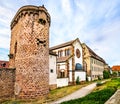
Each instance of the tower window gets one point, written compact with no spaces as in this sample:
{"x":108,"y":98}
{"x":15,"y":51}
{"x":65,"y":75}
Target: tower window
{"x":41,"y":21}
{"x":15,"y":47}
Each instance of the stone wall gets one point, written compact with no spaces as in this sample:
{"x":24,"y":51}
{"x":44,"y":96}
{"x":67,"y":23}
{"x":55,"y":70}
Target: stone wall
{"x":29,"y":52}
{"x":7,"y":79}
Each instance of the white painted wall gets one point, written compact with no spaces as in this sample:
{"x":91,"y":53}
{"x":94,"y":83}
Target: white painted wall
{"x":52,"y":65}
{"x":81,"y":74}
{"x":62,"y":65}
{"x":61,"y":82}
{"x":70,"y":76}
{"x":77,"y":45}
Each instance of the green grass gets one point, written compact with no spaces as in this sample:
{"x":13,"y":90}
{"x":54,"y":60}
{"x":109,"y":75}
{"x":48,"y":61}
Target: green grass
{"x":100,"y":95}
{"x":61,"y":92}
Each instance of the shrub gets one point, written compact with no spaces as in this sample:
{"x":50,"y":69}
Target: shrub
{"x":99,"y":78}
{"x":78,"y":80}
{"x":98,"y":97}
{"x":106,"y":74}
{"x":99,"y":84}
{"x":114,"y":74}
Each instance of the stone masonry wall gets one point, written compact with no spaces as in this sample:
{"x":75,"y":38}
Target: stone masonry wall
{"x":7,"y":80}
{"x":30,"y":49}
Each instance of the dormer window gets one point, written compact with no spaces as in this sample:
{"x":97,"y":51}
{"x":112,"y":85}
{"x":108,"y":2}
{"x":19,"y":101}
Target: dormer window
{"x":42,"y":21}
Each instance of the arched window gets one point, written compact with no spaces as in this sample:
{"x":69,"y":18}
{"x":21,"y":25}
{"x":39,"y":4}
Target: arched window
{"x":78,"y":66}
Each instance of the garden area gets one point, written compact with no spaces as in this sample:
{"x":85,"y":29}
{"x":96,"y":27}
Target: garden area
{"x":101,"y":93}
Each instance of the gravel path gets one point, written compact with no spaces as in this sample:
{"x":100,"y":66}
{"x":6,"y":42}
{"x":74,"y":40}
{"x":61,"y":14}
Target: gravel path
{"x":77,"y":94}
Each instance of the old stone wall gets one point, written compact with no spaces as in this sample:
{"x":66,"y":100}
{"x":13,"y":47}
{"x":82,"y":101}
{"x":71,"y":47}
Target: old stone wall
{"x":7,"y":79}
{"x":29,"y":51}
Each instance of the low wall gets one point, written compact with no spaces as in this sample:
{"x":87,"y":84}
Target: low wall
{"x":81,"y":75}
{"x":7,"y":79}
{"x":61,"y":82}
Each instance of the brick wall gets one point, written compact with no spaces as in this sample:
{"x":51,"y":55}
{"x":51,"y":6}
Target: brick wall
{"x":29,"y":52}
{"x":7,"y":79}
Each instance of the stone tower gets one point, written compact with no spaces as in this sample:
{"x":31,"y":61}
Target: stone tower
{"x":29,"y":51}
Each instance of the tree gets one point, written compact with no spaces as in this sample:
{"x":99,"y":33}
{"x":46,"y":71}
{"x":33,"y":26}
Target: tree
{"x":106,"y":74}
{"x":114,"y":74}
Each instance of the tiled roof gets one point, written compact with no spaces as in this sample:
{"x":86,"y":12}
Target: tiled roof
{"x":116,"y":68}
{"x":94,"y":55}
{"x":63,"y":44}
{"x":4,"y":64}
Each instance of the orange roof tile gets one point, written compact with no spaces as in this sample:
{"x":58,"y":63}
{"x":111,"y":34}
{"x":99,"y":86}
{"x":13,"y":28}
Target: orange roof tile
{"x":116,"y":68}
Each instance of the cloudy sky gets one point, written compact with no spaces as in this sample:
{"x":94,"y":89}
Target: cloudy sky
{"x":94,"y":22}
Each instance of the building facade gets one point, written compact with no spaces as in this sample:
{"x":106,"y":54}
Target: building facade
{"x":52,"y":70}
{"x":70,"y":61}
{"x":93,"y":64}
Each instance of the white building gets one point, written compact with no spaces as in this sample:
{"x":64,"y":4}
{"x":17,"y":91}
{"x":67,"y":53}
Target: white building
{"x":52,"y":70}
{"x":69,"y":62}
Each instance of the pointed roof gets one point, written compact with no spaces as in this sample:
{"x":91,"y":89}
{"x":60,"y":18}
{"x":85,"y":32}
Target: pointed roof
{"x":64,"y":44}
{"x":93,"y":54}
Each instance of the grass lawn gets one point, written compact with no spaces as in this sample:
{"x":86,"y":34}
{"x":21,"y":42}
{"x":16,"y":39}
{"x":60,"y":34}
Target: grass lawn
{"x":100,"y":95}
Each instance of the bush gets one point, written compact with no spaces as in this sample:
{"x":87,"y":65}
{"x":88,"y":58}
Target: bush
{"x":114,"y":74}
{"x":98,"y":97}
{"x":99,"y":78}
{"x":106,"y":74}
{"x":78,"y":80}
{"x":99,"y":84}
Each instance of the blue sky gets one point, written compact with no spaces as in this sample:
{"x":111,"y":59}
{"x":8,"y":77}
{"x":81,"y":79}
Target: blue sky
{"x":94,"y":22}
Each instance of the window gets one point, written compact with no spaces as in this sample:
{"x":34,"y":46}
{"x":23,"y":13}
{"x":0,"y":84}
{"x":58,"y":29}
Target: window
{"x":42,"y":21}
{"x":67,"y":52}
{"x":62,"y":74}
{"x":3,"y":64}
{"x":78,"y":66}
{"x":51,"y":70}
{"x":60,"y":53}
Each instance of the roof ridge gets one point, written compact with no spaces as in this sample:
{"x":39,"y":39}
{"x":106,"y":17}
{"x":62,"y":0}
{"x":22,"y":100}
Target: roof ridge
{"x":93,"y":54}
{"x":63,"y":44}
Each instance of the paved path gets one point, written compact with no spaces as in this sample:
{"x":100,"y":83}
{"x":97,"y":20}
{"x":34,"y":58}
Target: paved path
{"x":77,"y":94}
{"x":115,"y":99}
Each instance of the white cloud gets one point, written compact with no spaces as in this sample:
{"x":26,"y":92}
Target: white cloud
{"x":66,"y":7}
